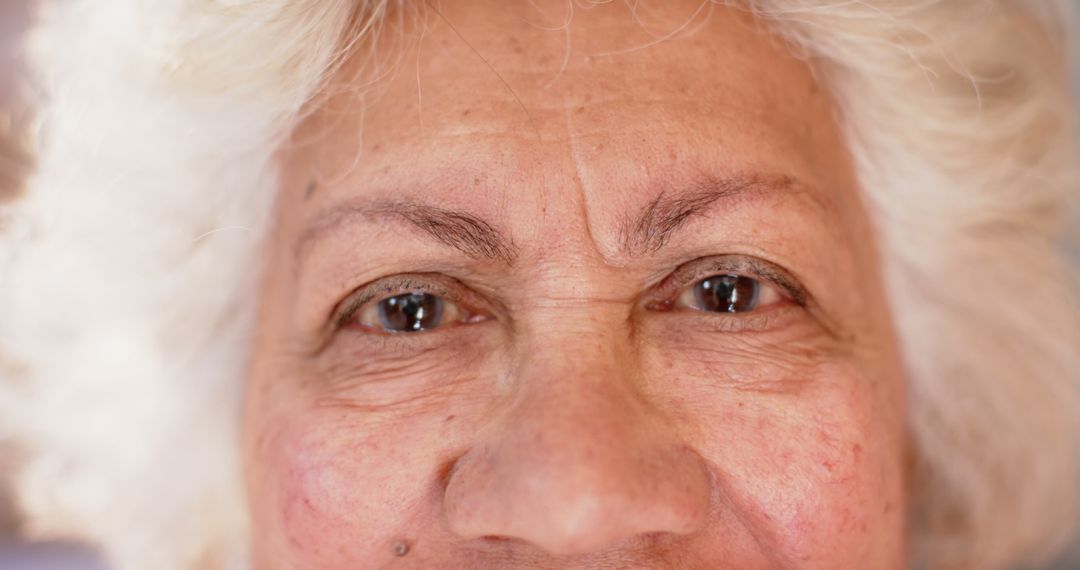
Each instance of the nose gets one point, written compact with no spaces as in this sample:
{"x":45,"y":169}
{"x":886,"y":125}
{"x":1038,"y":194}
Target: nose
{"x":577,"y":462}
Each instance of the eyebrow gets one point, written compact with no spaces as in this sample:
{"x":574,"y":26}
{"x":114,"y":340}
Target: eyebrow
{"x":470,"y":234}
{"x":645,"y":232}
{"x":651,"y":228}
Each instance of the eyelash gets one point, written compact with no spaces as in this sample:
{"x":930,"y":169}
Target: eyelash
{"x":662,"y":297}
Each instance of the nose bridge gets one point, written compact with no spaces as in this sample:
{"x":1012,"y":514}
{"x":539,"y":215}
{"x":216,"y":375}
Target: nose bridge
{"x":576,"y":385}
{"x":574,"y":399}
{"x":578,"y":345}
{"x":577,"y":461}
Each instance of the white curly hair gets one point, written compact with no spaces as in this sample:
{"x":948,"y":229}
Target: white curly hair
{"x":128,"y":263}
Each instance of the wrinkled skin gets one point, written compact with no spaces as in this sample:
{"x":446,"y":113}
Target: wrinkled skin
{"x":567,"y":413}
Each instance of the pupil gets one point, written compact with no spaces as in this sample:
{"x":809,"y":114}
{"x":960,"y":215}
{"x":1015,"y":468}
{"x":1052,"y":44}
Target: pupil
{"x":727,"y":294}
{"x":410,"y":312}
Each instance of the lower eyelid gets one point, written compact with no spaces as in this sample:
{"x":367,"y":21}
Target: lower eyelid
{"x":356,"y":346}
{"x":763,"y":320}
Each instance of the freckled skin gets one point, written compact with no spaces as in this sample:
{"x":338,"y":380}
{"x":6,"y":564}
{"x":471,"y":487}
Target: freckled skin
{"x":575,"y":425}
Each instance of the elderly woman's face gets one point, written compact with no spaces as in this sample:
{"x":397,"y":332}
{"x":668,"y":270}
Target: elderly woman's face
{"x":590,"y":297}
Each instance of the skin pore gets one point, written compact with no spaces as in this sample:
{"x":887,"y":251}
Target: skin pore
{"x":555,"y":192}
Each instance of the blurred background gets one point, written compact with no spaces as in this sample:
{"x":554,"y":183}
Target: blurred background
{"x":16,"y":551}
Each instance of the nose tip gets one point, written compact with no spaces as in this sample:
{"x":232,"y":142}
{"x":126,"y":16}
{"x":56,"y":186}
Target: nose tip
{"x":597,"y":523}
{"x":578,"y":493}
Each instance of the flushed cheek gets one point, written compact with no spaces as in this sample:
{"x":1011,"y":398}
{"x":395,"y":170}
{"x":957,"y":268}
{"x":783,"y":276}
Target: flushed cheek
{"x":340,"y":498}
{"x":816,"y":478}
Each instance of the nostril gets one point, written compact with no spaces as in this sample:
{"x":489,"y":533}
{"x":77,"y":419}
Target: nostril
{"x":502,"y":543}
{"x":650,"y":540}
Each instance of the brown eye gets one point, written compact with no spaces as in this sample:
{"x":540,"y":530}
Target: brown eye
{"x":728,"y":293}
{"x":408,"y":313}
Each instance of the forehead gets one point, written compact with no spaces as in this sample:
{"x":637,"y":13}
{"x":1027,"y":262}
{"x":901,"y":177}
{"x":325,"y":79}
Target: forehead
{"x":497,"y":106}
{"x":497,"y":61}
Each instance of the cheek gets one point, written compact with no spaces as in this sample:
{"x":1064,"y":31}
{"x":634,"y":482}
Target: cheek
{"x":806,"y":452}
{"x":334,"y":493}
{"x":818,"y":477}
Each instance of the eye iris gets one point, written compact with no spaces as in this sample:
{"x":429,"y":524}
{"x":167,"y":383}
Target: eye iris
{"x":727,"y":294}
{"x":410,"y":312}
